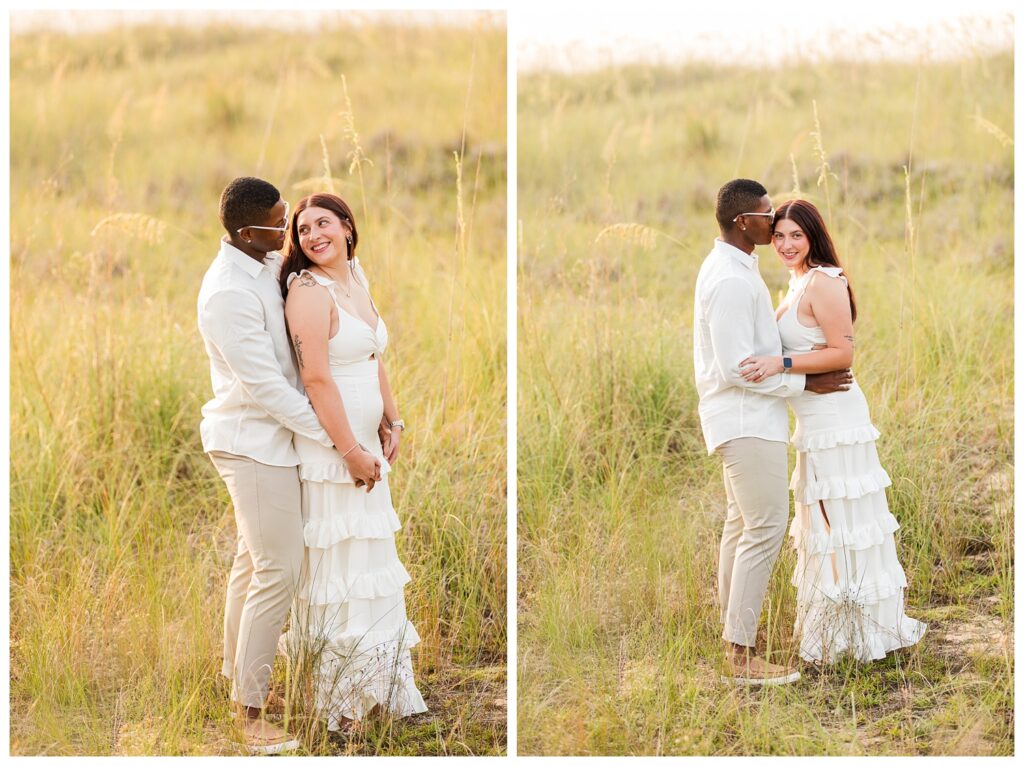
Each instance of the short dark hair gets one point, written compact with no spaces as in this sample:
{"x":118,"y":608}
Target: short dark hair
{"x":245,"y":202}
{"x":740,"y":195}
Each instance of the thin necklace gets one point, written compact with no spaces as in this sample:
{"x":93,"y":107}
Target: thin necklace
{"x":351,"y":277}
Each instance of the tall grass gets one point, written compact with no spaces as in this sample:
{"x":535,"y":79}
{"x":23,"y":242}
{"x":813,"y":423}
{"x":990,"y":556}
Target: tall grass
{"x":620,"y":508}
{"x":121,"y":531}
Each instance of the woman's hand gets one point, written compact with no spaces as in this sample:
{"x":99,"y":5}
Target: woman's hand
{"x":760,"y":367}
{"x":363,"y":466}
{"x":391,"y":447}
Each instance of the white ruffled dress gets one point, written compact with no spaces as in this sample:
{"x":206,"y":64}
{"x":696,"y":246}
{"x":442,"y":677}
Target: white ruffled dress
{"x":349,"y":623}
{"x":850,"y":585}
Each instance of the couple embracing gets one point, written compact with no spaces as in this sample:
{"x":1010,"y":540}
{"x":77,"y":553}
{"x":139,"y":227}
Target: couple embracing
{"x":307,"y":476}
{"x":749,"y":361}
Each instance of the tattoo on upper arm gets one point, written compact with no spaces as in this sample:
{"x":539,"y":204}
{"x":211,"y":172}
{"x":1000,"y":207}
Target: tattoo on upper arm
{"x":850,"y":338}
{"x":307,"y":280}
{"x":298,"y":349}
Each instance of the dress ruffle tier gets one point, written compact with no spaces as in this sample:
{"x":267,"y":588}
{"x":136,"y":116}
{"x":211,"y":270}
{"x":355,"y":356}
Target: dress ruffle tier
{"x":350,"y":626}
{"x":850,"y":584}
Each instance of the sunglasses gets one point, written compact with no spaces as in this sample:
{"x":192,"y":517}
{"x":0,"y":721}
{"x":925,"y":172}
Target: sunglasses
{"x":270,"y":228}
{"x":770,"y":215}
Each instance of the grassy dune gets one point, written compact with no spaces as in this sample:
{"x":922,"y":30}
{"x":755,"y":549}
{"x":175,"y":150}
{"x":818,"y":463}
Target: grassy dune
{"x":121,"y":530}
{"x":620,"y":508}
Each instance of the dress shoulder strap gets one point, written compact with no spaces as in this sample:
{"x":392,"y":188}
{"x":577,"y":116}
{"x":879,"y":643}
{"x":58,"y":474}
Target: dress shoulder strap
{"x":835,"y":272}
{"x":357,"y":269}
{"x":316,"y":278}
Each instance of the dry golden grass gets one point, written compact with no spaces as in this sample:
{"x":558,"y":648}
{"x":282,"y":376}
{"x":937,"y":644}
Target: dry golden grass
{"x":121,"y":531}
{"x":620,"y":508}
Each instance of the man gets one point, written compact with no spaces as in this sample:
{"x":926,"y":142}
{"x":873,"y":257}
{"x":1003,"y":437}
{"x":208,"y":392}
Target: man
{"x":746,"y":423}
{"x":247,"y":429}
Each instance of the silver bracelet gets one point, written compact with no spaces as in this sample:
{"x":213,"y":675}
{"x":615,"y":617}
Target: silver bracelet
{"x":349,"y":450}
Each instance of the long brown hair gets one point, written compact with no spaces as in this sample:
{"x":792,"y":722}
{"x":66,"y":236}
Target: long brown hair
{"x":295,"y":260}
{"x":822,"y":252}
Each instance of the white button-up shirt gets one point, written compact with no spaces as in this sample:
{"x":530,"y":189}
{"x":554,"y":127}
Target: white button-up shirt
{"x":733,"y":319}
{"x":256,"y":403}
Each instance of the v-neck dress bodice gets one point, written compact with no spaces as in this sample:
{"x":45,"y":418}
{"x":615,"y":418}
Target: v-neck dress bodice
{"x":355,"y":341}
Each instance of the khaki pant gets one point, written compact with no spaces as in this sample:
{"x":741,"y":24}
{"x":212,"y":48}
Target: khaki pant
{"x":758,"y":509}
{"x":265,"y":573}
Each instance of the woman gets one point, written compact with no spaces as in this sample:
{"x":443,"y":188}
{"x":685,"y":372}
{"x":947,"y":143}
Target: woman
{"x":850,"y":585}
{"x":349,"y":620}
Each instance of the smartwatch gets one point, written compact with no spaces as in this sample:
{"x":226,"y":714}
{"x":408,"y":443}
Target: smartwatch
{"x":787,"y":363}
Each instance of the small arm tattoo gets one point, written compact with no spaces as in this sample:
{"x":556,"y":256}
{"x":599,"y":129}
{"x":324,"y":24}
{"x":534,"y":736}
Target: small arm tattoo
{"x":298,"y":349}
{"x":850,"y":338}
{"x":307,"y":280}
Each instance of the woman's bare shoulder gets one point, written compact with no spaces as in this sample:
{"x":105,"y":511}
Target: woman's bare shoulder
{"x":306,"y":294}
{"x":828,"y":297}
{"x":827,"y":284}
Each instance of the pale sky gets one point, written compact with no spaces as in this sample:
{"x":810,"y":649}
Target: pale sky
{"x":581,"y":37}
{"x":574,"y":35}
{"x":309,"y":16}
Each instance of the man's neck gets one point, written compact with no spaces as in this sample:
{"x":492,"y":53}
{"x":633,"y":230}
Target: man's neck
{"x":735,"y":238}
{"x":245,"y":247}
